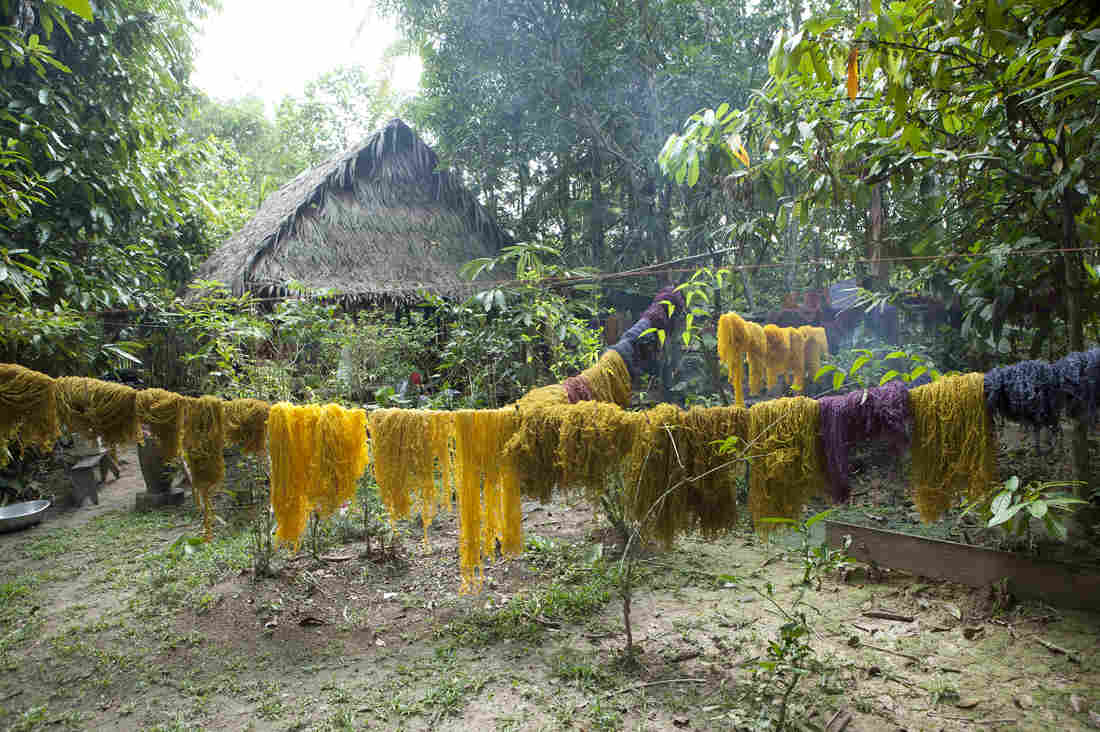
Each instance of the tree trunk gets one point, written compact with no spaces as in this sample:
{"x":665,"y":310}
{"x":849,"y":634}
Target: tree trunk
{"x":595,"y":216}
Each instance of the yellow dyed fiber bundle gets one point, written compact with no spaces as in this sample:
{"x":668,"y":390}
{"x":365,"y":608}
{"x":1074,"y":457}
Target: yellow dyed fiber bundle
{"x":534,"y":448}
{"x":162,"y":411}
{"x":817,"y":345}
{"x":440,"y":437}
{"x":952,"y":446}
{"x":341,"y":437}
{"x":593,"y":440}
{"x":543,"y":396}
{"x":786,"y":459}
{"x":609,"y":379}
{"x":203,"y":441}
{"x":487,"y":487}
{"x":758,"y":357}
{"x":246,"y":424}
{"x":733,"y":343}
{"x":96,"y":408}
{"x":292,"y":446}
{"x":28,"y":406}
{"x":796,"y":359}
{"x":403,"y":462}
{"x":778,"y":350}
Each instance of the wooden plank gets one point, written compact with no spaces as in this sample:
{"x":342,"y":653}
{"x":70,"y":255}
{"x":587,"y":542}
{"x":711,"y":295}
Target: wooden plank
{"x":1055,"y":582}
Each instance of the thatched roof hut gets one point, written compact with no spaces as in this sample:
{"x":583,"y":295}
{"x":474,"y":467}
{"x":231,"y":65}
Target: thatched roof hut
{"x":377,"y":223}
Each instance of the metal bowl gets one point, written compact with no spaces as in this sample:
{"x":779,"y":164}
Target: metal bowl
{"x":21,"y":515}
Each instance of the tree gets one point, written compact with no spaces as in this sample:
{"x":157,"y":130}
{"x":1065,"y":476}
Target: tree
{"x":990,"y":109}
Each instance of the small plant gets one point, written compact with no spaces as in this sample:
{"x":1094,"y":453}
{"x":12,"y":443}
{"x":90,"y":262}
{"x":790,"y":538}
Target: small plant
{"x":1011,"y":509}
{"x":866,"y":367}
{"x":817,"y":558}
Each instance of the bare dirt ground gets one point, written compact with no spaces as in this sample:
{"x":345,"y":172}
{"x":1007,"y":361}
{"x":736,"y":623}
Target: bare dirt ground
{"x":116,"y":620}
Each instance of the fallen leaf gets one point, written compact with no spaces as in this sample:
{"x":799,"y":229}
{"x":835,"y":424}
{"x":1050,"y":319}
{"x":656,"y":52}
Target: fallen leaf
{"x":1077,"y":703}
{"x":311,"y":620}
{"x":968,"y":703}
{"x":379,"y":642}
{"x":678,"y":722}
{"x":954,"y":610}
{"x":973,"y":632}
{"x":1024,"y":701}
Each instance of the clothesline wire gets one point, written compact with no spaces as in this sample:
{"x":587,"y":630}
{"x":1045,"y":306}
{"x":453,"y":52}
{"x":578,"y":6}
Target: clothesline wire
{"x":653,"y":270}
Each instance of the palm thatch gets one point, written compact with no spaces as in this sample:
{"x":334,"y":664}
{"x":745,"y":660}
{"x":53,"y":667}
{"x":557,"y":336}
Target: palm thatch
{"x":377,"y":223}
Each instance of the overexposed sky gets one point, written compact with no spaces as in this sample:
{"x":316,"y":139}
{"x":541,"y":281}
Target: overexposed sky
{"x":271,"y":48}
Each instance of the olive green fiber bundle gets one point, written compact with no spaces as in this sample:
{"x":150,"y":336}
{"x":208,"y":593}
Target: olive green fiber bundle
{"x":534,"y":448}
{"x":710,"y":490}
{"x":162,"y":411}
{"x":28,"y":406}
{"x":952,"y":446}
{"x":654,"y":468}
{"x":593,"y":440}
{"x":203,"y":443}
{"x":786,"y":458}
{"x":96,"y":408}
{"x":246,"y":424}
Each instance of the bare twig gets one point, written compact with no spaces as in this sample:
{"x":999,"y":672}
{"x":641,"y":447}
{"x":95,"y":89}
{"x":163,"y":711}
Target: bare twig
{"x":885,"y":615}
{"x":1058,"y":649}
{"x":636,"y":687}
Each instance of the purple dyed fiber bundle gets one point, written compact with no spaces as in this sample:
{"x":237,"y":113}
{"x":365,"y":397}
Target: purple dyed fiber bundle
{"x":1028,"y":392}
{"x":577,"y":389}
{"x":1078,"y":376}
{"x":882,"y":411}
{"x":635,"y":331}
{"x":657,"y":312}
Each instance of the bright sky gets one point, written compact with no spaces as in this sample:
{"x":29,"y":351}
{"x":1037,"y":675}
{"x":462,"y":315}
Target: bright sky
{"x":271,"y":48}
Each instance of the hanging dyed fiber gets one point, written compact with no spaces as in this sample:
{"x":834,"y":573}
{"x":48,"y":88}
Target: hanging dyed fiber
{"x":796,"y":359}
{"x":757,"y":357}
{"x":867,"y":414}
{"x":1078,"y":377}
{"x":710,"y":487}
{"x":203,"y":441}
{"x":667,"y":305}
{"x":653,"y":469}
{"x":817,"y":346}
{"x":403,"y":462}
{"x":162,"y":411}
{"x":440,"y":436}
{"x":952,"y":449}
{"x":786,"y":468}
{"x":534,"y":448}
{"x":779,"y":347}
{"x":28,"y":406}
{"x":341,"y":437}
{"x":593,"y":439}
{"x":1027,"y":392}
{"x":609,"y":379}
{"x":733,"y":343}
{"x":577,"y":389}
{"x":543,"y":396}
{"x":483,"y":473}
{"x":96,"y":408}
{"x":293,"y":447}
{"x":246,"y":424}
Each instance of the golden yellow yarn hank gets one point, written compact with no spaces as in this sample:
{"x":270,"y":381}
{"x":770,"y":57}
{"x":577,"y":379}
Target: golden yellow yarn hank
{"x":543,"y":396}
{"x":246,"y":424}
{"x":952,"y":447}
{"x":786,"y":460}
{"x":652,"y":471}
{"x":28,"y":408}
{"x":796,"y":358}
{"x":162,"y":412}
{"x":757,"y":356}
{"x":96,"y":408}
{"x":203,"y":441}
{"x":534,"y":449}
{"x":817,"y":345}
{"x":292,"y":446}
{"x":341,"y":437}
{"x":402,"y":458}
{"x":609,"y":379}
{"x":778,"y":345}
{"x":733,"y":343}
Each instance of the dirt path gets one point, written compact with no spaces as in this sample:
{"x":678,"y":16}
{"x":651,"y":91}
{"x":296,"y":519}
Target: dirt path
{"x":108,"y":622}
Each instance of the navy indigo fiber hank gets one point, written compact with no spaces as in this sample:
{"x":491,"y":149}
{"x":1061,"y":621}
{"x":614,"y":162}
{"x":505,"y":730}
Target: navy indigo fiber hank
{"x":882,"y":411}
{"x":1078,"y":377}
{"x":1027,"y":392}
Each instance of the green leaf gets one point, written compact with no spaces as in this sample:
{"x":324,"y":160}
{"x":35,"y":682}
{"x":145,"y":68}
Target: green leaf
{"x":859,"y":363}
{"x":838,"y":379}
{"x":895,"y":354}
{"x":1038,"y":508}
{"x":818,"y":516}
{"x":83,"y":8}
{"x":891,"y":374}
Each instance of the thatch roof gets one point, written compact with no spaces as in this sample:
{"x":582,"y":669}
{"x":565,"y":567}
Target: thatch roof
{"x":376,"y":223}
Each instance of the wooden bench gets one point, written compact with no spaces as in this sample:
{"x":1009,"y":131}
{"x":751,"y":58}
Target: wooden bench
{"x":83,"y":475}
